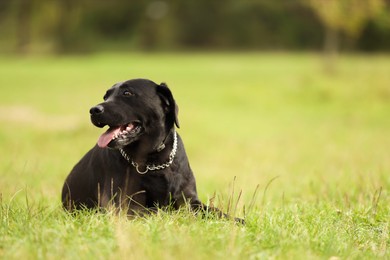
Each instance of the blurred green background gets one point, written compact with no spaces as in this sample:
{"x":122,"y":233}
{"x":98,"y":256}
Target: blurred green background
{"x":84,"y":26}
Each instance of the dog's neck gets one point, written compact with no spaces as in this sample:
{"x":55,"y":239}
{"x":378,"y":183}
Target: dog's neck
{"x":152,"y":167}
{"x":166,"y":142}
{"x":161,"y":146}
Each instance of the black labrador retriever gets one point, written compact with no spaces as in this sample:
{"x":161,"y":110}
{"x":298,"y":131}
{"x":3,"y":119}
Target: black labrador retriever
{"x":139,"y":163}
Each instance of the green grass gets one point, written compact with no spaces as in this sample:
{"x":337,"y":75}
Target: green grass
{"x":308,"y":152}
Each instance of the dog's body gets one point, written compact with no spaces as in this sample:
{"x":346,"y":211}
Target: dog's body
{"x":140,"y":162}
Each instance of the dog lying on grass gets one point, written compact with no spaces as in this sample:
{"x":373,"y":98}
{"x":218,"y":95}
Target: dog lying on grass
{"x":139,"y":163}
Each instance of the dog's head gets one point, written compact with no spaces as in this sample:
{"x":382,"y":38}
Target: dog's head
{"x":135,"y":110}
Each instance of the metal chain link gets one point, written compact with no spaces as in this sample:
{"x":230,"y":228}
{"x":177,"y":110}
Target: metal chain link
{"x":152,"y":167}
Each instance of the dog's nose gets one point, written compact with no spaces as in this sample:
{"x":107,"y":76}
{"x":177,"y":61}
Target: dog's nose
{"x":96,"y":110}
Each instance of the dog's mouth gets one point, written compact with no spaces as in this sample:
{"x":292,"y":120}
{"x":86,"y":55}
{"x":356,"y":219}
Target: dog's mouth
{"x":121,"y":135}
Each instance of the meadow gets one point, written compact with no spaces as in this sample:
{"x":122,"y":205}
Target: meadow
{"x":303,"y":156}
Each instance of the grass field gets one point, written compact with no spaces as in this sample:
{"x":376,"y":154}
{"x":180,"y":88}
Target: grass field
{"x":303,"y":156}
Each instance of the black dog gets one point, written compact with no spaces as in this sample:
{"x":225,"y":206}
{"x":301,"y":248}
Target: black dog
{"x":146,"y":166}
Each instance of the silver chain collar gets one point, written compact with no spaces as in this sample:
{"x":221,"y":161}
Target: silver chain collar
{"x":152,"y":167}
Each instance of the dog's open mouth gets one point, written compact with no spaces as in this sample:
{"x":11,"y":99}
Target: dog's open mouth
{"x":119,"y":133}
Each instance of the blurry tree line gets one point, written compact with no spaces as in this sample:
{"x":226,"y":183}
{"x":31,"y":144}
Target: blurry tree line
{"x":66,"y":26}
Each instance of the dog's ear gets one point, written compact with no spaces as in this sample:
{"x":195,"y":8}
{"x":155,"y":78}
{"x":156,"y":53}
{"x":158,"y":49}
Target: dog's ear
{"x":171,"y":107}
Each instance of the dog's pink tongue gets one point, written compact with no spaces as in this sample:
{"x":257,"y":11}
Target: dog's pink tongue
{"x":106,"y":138}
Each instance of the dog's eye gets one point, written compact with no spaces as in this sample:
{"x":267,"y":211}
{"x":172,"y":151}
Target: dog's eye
{"x":128,"y":93}
{"x":105,"y":97}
